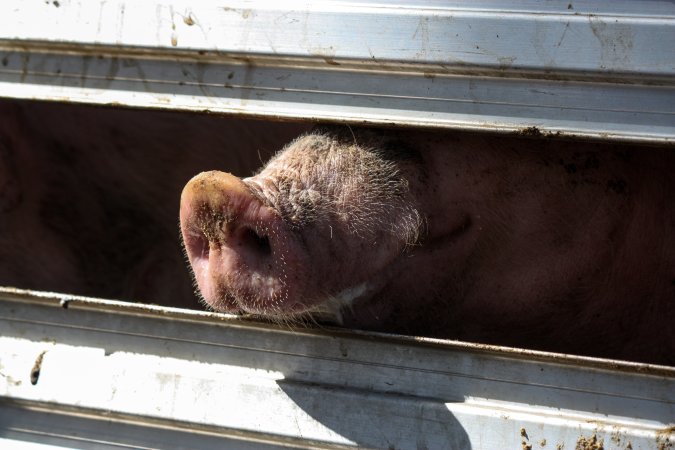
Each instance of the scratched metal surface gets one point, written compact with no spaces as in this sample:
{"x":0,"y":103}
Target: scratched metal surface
{"x":597,"y":69}
{"x":86,"y":373}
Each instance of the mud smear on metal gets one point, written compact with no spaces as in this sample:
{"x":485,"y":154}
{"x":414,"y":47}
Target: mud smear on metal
{"x":664,"y":439}
{"x":590,"y":443}
{"x":37,"y":367}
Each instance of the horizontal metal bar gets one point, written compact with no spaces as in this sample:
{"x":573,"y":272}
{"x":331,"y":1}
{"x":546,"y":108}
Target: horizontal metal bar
{"x":607,"y":37}
{"x":63,"y":426}
{"x":643,"y":113}
{"x":156,"y":367}
{"x":601,"y":70}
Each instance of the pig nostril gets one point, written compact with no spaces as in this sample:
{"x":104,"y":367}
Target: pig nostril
{"x":198,"y":246}
{"x":204,"y":247}
{"x":251,"y":239}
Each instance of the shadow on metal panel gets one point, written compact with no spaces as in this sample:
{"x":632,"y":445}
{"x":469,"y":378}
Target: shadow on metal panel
{"x":375,"y":420}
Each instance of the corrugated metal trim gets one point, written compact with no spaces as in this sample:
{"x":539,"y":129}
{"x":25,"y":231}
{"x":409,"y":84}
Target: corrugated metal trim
{"x":306,"y":388}
{"x":598,"y":70}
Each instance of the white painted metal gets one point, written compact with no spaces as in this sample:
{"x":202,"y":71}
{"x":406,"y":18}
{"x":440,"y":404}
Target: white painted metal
{"x":103,"y":374}
{"x":602,"y":69}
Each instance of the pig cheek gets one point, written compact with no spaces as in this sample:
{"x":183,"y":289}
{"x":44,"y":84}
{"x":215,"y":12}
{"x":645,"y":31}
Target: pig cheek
{"x":273,"y":286}
{"x":372,"y":256}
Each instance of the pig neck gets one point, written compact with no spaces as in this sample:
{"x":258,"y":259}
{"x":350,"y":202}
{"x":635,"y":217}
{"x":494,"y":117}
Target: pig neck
{"x":437,"y":188}
{"x":478,"y":203}
{"x":518,"y":244}
{"x":447,"y":186}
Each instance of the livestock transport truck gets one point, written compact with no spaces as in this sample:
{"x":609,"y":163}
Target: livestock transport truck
{"x":83,"y":372}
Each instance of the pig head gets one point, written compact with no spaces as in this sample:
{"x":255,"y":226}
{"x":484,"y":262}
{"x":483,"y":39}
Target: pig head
{"x":292,"y":239}
{"x":559,"y":246}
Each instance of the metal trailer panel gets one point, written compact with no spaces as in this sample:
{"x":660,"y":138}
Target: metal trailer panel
{"x":104,"y":374}
{"x":595,"y":69}
{"x":87,"y":373}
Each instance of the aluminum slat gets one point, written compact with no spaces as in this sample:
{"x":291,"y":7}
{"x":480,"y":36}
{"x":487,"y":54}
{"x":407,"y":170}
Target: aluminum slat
{"x":603,"y":69}
{"x":212,"y":378}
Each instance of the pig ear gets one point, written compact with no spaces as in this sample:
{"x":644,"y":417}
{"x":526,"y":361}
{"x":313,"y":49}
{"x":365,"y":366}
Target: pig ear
{"x":10,"y":189}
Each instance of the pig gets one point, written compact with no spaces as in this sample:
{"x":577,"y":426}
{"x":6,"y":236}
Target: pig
{"x":546,"y":244}
{"x":88,"y":194}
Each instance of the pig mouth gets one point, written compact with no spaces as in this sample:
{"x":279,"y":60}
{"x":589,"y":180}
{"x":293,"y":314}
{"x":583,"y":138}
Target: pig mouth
{"x":247,"y":271}
{"x":244,"y":257}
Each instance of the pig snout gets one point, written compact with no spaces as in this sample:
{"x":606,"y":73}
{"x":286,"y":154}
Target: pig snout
{"x":289,"y":241}
{"x":241,"y":252}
